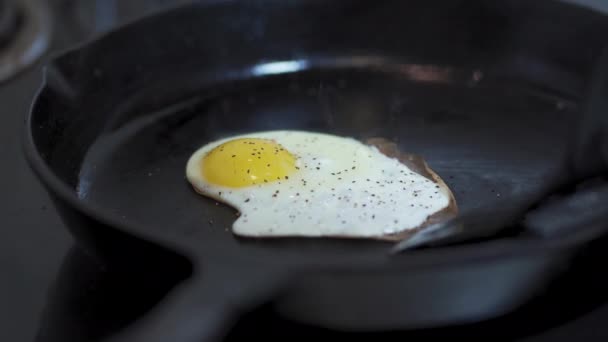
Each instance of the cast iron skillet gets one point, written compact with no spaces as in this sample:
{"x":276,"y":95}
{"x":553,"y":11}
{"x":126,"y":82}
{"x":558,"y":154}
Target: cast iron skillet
{"x":486,"y":91}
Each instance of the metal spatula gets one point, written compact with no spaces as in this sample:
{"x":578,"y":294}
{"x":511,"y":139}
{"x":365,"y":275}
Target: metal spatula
{"x":588,"y":157}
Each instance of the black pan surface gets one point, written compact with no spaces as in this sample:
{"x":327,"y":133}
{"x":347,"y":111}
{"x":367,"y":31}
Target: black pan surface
{"x":488,"y":142}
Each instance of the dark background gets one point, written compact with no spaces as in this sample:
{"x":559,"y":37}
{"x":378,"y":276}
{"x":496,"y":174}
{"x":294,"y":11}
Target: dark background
{"x":48,"y":286}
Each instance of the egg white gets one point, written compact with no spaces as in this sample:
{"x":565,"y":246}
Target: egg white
{"x":343,"y":188}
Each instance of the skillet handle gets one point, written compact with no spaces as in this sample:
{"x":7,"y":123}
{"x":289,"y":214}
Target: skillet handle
{"x":204,"y":307}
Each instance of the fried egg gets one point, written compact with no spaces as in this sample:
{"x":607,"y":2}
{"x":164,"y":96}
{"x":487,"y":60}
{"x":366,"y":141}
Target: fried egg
{"x":309,"y":184}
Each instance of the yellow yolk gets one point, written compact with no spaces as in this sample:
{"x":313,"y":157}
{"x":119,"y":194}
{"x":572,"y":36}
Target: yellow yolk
{"x":248,"y":161}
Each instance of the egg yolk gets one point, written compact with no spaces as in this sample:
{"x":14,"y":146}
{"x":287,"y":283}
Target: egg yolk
{"x":248,"y":161}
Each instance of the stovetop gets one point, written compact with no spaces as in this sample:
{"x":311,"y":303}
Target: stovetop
{"x":54,"y":291}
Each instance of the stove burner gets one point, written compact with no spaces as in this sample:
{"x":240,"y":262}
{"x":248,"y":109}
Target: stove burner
{"x":25,"y":31}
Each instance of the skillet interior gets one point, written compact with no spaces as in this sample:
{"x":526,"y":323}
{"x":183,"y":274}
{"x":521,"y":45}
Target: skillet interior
{"x":488,"y":143}
{"x":472,"y":99}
